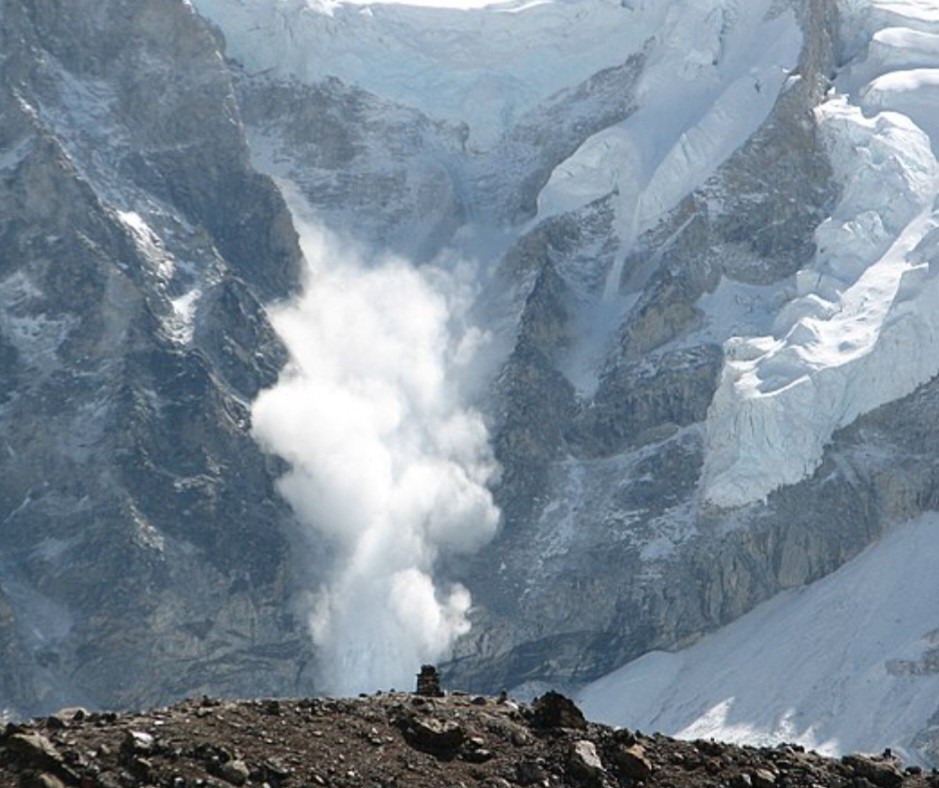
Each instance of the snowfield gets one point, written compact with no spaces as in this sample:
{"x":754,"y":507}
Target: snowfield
{"x":839,"y":666}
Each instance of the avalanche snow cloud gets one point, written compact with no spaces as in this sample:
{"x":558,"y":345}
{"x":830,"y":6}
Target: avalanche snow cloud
{"x":387,"y":463}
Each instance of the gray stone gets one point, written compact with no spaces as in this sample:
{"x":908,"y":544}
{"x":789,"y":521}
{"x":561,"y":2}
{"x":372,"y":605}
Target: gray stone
{"x":44,"y":780}
{"x":584,"y":761}
{"x":882,"y":773}
{"x":137,"y":743}
{"x":34,"y":749}
{"x":554,"y":710}
{"x":235,"y":771}
{"x":433,"y":735}
{"x":529,"y":773}
{"x":763,"y":778}
{"x":632,"y":762}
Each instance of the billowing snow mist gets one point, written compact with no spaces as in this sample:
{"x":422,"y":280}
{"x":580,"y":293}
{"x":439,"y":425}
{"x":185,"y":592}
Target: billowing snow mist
{"x":386,"y":461}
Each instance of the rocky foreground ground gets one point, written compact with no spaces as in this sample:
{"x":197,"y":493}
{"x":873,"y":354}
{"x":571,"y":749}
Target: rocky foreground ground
{"x":399,"y":739}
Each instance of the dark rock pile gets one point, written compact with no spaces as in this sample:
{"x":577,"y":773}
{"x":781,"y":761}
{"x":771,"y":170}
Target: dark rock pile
{"x":428,"y":682}
{"x":401,"y":740}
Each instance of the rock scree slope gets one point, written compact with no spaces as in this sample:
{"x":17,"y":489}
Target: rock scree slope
{"x":398,"y":739}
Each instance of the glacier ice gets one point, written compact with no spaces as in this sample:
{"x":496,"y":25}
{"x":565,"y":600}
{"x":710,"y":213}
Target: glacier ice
{"x":711,"y":81}
{"x":863,"y":329}
{"x":484,"y":66}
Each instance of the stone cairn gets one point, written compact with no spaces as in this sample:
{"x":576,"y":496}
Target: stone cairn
{"x":428,"y":682}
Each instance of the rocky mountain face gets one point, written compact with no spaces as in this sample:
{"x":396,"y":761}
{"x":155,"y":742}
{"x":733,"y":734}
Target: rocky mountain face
{"x":642,"y":213}
{"x":143,"y":549}
{"x":601,"y":488}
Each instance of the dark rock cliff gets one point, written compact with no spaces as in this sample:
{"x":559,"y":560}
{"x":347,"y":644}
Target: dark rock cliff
{"x":143,"y":550}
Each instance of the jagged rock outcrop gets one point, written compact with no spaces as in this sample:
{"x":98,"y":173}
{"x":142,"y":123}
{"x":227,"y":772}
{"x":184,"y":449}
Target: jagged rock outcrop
{"x":617,"y":493}
{"x":140,"y":559}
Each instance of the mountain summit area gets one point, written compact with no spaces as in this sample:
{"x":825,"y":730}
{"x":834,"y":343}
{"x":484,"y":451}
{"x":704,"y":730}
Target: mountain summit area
{"x":587,"y":345}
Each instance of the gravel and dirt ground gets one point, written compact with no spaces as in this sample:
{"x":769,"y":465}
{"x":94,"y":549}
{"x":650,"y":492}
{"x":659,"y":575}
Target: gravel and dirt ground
{"x":399,"y":739}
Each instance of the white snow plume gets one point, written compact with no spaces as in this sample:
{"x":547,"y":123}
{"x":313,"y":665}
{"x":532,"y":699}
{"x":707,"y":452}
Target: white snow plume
{"x":387,"y":462}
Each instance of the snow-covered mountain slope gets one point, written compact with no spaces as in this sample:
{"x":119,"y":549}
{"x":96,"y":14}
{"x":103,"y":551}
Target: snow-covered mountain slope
{"x":713,"y":74}
{"x":405,"y":173}
{"x":860,"y":331}
{"x":847,"y":664}
{"x":486,"y":67}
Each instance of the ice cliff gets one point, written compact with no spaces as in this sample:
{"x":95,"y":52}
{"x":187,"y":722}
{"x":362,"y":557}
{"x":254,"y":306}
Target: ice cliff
{"x":861,"y":330}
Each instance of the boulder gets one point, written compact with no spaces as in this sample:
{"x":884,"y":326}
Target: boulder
{"x":434,"y":736}
{"x":633,"y":763}
{"x":235,"y":772}
{"x":137,"y":743}
{"x":529,"y":773}
{"x":763,"y":778}
{"x":35,"y":751}
{"x":882,"y":773}
{"x":585,"y":763}
{"x":43,"y":780}
{"x":554,"y":710}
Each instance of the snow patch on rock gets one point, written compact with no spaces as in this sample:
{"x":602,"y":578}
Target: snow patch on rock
{"x":36,"y":335}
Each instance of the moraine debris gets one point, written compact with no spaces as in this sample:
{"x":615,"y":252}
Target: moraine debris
{"x":403,"y":740}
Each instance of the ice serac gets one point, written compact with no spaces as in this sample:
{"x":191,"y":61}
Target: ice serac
{"x":861,"y":330}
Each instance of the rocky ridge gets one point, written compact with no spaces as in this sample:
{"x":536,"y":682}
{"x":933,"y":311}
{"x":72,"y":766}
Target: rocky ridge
{"x":137,"y":245}
{"x":398,"y":739}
